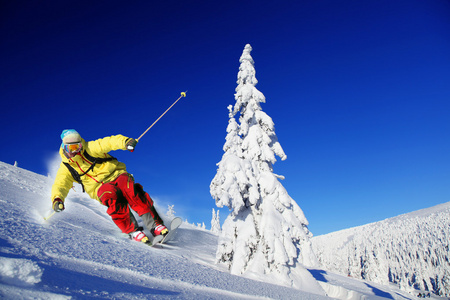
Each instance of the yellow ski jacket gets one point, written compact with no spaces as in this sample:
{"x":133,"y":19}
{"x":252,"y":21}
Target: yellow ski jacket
{"x":101,"y":173}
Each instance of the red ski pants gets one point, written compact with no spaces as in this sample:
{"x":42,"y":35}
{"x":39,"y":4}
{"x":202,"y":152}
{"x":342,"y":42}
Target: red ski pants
{"x":121,"y":193}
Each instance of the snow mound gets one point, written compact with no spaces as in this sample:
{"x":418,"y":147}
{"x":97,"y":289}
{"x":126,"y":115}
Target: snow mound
{"x":19,"y":271}
{"x":80,"y":254}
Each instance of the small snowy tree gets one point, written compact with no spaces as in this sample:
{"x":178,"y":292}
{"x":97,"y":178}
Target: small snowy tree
{"x":170,"y":212}
{"x":266,"y":231}
{"x":201,"y":226}
{"x":215,"y":221}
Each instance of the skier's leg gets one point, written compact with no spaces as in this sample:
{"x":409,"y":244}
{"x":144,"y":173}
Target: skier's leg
{"x":118,"y":208}
{"x":133,"y":220}
{"x":151,"y":218}
{"x":140,"y":201}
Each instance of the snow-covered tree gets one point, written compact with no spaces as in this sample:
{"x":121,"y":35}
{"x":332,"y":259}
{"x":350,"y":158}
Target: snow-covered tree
{"x":234,"y":180}
{"x":215,"y":221}
{"x":170,"y":212}
{"x":266,"y":231}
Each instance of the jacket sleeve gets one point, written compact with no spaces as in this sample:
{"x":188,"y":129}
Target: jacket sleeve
{"x":63,"y":183}
{"x":110,"y":143}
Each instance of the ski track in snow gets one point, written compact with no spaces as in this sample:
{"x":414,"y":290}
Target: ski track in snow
{"x":80,"y":254}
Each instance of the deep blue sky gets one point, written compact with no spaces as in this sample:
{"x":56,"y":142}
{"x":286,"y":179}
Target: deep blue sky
{"x":358,"y":90}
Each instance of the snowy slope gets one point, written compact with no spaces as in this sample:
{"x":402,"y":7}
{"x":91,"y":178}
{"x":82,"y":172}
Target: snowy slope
{"x":80,"y":254}
{"x":411,"y":250}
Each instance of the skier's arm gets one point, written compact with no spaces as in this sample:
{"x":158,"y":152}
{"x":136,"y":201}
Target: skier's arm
{"x":110,"y":143}
{"x":63,"y":183}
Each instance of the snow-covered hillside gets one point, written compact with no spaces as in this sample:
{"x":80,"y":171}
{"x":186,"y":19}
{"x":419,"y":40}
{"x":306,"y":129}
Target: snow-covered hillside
{"x":411,"y":250}
{"x":80,"y":254}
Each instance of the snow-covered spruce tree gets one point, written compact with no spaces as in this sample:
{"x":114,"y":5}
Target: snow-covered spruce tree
{"x":266,"y":231}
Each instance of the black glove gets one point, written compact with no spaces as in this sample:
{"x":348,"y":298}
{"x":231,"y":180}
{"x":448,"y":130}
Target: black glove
{"x":58,"y":205}
{"x":130,"y":144}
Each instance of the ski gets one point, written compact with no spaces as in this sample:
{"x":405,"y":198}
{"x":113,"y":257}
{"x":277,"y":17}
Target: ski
{"x":156,"y":240}
{"x":160,"y":239}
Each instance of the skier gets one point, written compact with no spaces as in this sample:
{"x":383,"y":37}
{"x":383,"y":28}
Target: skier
{"x":105,"y":179}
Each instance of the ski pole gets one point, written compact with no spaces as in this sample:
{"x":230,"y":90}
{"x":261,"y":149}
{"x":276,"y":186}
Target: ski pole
{"x":51,"y":215}
{"x":183,"y":94}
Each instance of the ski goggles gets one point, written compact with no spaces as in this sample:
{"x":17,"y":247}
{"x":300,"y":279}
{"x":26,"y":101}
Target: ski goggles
{"x":73,"y":147}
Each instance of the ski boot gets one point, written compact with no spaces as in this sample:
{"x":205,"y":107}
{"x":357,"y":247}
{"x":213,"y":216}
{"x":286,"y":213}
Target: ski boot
{"x":139,"y":236}
{"x":159,"y":230}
